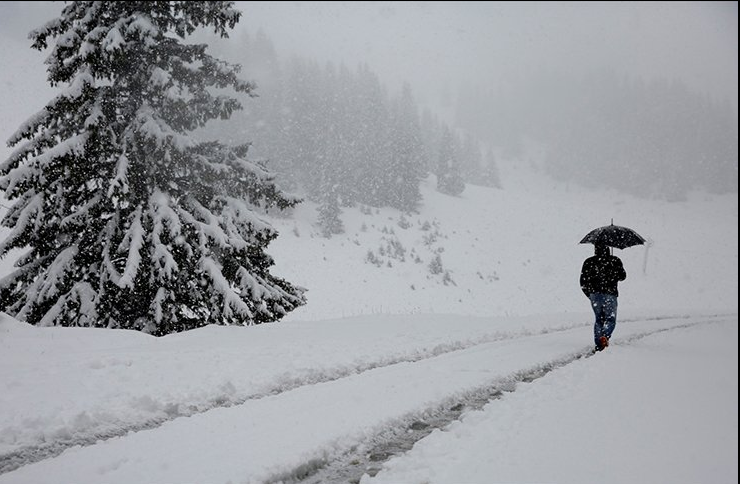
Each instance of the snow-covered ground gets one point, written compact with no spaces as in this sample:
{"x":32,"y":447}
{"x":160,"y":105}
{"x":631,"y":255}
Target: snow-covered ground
{"x":269,"y":403}
{"x":383,"y":350}
{"x":379,"y":352}
{"x":512,"y":252}
{"x":660,"y":409}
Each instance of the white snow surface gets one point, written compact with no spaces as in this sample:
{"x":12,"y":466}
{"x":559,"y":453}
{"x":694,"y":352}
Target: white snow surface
{"x":660,"y":405}
{"x":377,"y":349}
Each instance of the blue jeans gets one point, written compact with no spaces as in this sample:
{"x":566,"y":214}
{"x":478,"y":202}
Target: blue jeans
{"x":605,"y":310}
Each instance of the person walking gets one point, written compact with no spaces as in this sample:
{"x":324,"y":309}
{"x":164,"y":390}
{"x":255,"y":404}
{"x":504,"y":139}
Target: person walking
{"x":600,"y":275}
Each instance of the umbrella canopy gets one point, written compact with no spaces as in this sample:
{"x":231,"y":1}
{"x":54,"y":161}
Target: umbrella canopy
{"x":613,"y":236}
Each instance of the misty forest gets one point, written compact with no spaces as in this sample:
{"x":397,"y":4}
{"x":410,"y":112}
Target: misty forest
{"x":143,"y":188}
{"x":655,"y":139}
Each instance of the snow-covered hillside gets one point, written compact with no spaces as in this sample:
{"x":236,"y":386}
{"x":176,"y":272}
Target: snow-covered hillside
{"x":513,"y":251}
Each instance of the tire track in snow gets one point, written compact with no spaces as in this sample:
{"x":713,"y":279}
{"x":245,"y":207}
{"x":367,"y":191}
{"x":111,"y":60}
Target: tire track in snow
{"x":30,"y":454}
{"x":369,"y":457}
{"x":34,"y":453}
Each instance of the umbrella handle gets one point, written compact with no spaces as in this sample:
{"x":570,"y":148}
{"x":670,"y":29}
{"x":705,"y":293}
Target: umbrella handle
{"x":648,"y":244}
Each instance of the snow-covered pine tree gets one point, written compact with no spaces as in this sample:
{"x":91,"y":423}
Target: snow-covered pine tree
{"x":370,"y":142}
{"x":449,"y":178}
{"x":407,"y":163}
{"x":489,"y":172}
{"x":470,"y":160}
{"x":329,"y":219}
{"x":127,"y":221}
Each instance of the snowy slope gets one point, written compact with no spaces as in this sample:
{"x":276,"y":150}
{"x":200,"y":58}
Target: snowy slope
{"x":513,"y":252}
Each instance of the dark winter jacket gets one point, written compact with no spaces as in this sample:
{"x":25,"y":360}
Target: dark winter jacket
{"x":600,"y":274}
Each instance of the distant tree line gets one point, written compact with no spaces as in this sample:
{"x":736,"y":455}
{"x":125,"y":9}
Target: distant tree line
{"x":651,"y":139}
{"x":339,"y":138}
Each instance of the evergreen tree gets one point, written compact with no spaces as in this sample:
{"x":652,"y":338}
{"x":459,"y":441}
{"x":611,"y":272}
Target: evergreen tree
{"x":471,"y":162}
{"x":129,"y":222}
{"x":370,"y":140}
{"x":408,"y":165}
{"x":449,"y":178}
{"x":329,"y":216}
{"x":431,"y":134}
{"x":489,"y":172}
{"x":302,"y":131}
{"x":345,"y":156}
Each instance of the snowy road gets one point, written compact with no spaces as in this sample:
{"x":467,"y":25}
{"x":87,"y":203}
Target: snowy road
{"x":294,"y":433}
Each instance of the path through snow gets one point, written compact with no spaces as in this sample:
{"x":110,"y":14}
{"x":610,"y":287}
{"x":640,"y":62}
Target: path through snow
{"x":294,"y":433}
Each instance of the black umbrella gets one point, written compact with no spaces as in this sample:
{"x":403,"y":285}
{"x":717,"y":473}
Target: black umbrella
{"x":613,"y":236}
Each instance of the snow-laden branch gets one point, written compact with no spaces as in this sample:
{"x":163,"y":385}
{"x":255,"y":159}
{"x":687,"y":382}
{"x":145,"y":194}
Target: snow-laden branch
{"x":82,"y":80}
{"x":27,"y":129}
{"x":133,"y":241}
{"x":163,"y":217}
{"x":31,"y":208}
{"x":80,"y":214}
{"x":153,"y":128}
{"x":120,"y":180}
{"x":48,"y":287}
{"x":232,"y":301}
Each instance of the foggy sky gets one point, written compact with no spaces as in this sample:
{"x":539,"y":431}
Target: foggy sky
{"x":439,"y":45}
